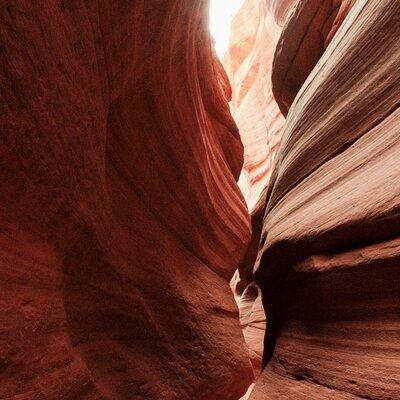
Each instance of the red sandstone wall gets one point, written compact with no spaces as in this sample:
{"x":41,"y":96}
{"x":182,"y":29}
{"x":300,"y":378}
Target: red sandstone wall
{"x":121,"y":221}
{"x":267,"y":69}
{"x":330,"y":251}
{"x":309,"y":30}
{"x":248,"y":63}
{"x":328,"y":220}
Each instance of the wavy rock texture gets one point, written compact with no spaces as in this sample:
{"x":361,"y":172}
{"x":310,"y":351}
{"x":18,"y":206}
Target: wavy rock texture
{"x":121,"y":218}
{"x":340,"y":338}
{"x":248,"y":63}
{"x":307,"y":33}
{"x":330,"y":246}
{"x":281,"y":9}
{"x":252,"y":319}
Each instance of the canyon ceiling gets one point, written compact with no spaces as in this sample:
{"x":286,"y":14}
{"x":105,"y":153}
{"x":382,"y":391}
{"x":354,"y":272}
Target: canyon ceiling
{"x":176,"y":227}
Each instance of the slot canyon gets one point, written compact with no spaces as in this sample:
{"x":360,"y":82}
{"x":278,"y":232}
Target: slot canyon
{"x":175,"y":225}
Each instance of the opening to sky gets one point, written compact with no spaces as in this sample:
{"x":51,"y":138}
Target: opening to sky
{"x":221,"y":15}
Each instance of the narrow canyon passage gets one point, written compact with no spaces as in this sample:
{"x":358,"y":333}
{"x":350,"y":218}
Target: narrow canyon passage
{"x":314,"y":87}
{"x":185,"y":221}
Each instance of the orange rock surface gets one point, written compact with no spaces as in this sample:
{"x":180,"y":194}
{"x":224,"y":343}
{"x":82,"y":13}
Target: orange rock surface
{"x":308,"y":31}
{"x":121,"y":221}
{"x":248,"y":63}
{"x":329,"y":250}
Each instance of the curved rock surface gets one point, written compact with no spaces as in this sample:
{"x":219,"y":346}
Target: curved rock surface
{"x":281,"y":9}
{"x":308,"y":31}
{"x":121,"y":218}
{"x":122,"y":223}
{"x":248,"y":64}
{"x":253,"y":322}
{"x":340,"y":338}
{"x":330,"y":250}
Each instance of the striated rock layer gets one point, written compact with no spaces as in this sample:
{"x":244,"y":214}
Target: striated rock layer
{"x":340,"y":335}
{"x":121,"y":221}
{"x":330,"y":242}
{"x":306,"y":35}
{"x":267,"y":67}
{"x":248,"y":63}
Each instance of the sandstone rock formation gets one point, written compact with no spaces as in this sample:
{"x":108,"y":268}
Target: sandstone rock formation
{"x":248,"y":63}
{"x":307,"y":33}
{"x":248,"y":295}
{"x":281,"y":9}
{"x":253,"y":322}
{"x":121,"y":221}
{"x":330,"y":249}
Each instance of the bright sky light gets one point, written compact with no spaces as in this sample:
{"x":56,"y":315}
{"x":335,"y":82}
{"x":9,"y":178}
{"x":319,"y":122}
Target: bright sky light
{"x":221,"y":14}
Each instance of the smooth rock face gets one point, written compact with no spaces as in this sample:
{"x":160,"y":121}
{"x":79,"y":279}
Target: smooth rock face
{"x":330,"y":244}
{"x":340,"y":335}
{"x":248,"y":63}
{"x":307,"y":33}
{"x":248,"y":295}
{"x":253,"y":322}
{"x":121,"y":221}
{"x":281,"y":9}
